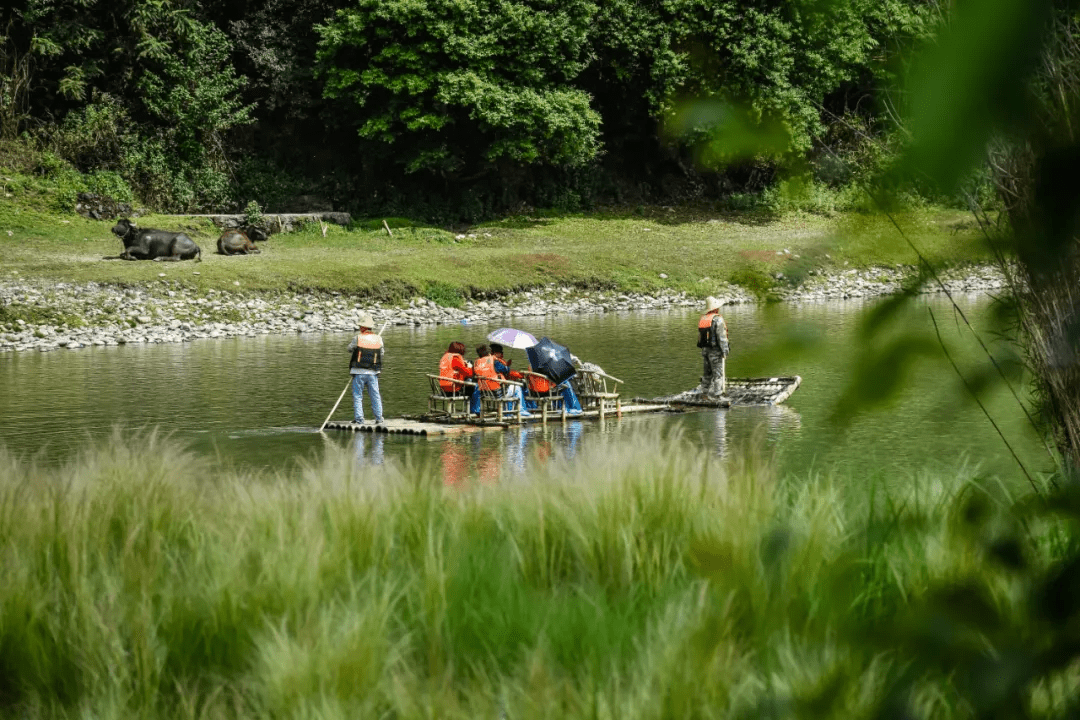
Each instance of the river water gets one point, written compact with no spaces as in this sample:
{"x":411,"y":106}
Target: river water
{"x":255,"y":402}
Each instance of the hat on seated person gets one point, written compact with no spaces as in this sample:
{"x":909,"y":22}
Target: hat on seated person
{"x":712,"y":303}
{"x":366,"y":321}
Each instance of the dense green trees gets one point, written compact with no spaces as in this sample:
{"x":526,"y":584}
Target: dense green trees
{"x":144,"y":87}
{"x":456,"y":87}
{"x":470,"y":105}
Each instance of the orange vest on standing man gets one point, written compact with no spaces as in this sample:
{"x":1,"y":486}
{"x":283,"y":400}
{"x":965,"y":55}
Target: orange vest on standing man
{"x":706,"y":323}
{"x":369,"y":352}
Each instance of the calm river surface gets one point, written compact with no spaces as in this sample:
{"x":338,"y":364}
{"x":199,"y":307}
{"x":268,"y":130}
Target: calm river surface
{"x":256,"y":402}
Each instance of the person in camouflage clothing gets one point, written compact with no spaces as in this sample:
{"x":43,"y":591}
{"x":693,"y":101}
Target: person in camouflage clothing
{"x":713,"y":341}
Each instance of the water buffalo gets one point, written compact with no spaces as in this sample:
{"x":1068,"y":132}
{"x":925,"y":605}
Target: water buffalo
{"x":159,"y":245}
{"x":256,"y":233}
{"x":236,"y":242}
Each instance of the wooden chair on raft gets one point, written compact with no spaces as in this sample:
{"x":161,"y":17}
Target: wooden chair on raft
{"x":498,"y":404}
{"x":547,"y":402}
{"x":597,"y":391}
{"x":446,"y":402}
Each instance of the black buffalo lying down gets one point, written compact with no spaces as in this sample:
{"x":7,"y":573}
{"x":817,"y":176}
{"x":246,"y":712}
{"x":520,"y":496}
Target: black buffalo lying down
{"x":149,"y":244}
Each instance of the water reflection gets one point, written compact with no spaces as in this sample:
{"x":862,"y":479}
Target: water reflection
{"x":370,"y":448}
{"x":455,"y":464}
{"x":492,"y":457}
{"x":720,"y":439}
{"x":766,"y":424}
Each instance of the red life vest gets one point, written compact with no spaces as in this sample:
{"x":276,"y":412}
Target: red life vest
{"x":539,"y":384}
{"x":446,"y":369}
{"x":485,"y":368}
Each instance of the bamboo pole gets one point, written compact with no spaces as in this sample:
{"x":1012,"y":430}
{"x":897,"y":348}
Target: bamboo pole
{"x":340,"y":397}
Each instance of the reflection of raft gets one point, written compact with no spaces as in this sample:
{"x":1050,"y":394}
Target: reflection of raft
{"x":433,"y":425}
{"x":740,"y":391}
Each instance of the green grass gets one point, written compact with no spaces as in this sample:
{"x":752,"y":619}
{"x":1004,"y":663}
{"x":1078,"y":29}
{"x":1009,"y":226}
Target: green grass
{"x":143,"y":581}
{"x":695,"y":248}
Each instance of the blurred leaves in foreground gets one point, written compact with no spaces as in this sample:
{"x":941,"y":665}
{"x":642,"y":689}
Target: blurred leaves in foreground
{"x":995,"y":631}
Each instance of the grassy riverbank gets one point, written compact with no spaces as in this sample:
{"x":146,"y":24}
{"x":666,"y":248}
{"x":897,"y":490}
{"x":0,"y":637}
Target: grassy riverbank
{"x":658,"y":583}
{"x":649,"y":249}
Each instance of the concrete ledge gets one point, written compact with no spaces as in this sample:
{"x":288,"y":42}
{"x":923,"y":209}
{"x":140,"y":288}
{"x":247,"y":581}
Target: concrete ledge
{"x":278,"y":222}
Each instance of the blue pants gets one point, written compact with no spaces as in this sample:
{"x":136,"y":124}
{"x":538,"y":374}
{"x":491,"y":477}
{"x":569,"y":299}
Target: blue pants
{"x":569,"y":397}
{"x":515,"y":391}
{"x":371,"y":381}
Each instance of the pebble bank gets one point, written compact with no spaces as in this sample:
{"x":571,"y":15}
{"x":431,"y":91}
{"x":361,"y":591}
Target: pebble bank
{"x":73,"y":316}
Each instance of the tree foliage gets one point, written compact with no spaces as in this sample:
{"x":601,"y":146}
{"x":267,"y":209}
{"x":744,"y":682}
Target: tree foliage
{"x":456,"y":86}
{"x":474,"y":104}
{"x":154,"y":64}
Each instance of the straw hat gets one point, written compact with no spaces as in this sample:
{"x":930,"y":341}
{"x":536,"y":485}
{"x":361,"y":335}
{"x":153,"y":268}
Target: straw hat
{"x":366,"y":321}
{"x":712,"y":303}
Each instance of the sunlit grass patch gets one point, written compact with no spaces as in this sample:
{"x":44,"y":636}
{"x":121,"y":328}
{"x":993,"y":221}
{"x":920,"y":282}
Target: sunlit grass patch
{"x":691,"y":249}
{"x":659,"y":582}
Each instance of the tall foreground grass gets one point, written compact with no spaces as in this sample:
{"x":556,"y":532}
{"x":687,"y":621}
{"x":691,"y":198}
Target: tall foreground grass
{"x":142,"y":581}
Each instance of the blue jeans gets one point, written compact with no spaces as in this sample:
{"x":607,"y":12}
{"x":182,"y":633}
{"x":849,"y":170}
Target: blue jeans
{"x":570,"y":398}
{"x":370,"y":381}
{"x":515,"y":391}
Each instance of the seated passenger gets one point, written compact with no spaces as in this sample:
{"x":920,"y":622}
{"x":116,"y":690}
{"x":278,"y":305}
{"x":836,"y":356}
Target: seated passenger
{"x":570,"y":398}
{"x":454,"y":365}
{"x":546,"y":386}
{"x":489,"y":366}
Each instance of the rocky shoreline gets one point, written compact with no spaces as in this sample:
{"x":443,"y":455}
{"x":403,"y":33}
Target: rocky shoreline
{"x":71,"y":316}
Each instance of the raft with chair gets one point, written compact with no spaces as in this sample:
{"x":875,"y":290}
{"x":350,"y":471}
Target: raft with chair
{"x":597,"y":392}
{"x":448,"y":411}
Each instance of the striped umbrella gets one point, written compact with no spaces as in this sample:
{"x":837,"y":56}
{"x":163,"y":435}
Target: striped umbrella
{"x":511,"y":338}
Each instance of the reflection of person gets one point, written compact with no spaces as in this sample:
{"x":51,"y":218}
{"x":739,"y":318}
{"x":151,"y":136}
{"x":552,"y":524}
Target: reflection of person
{"x":364,"y":366}
{"x":454,"y":365}
{"x":573,"y":433}
{"x":720,"y":433}
{"x":378,"y":451}
{"x":455,"y":464}
{"x":713,"y":341}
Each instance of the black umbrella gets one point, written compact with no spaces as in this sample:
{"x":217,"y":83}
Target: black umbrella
{"x":548,"y":357}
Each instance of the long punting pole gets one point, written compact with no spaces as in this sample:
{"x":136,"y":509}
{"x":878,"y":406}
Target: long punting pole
{"x":342,"y":395}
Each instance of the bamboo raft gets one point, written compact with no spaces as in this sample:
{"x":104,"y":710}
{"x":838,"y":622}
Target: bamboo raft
{"x":739,"y":391}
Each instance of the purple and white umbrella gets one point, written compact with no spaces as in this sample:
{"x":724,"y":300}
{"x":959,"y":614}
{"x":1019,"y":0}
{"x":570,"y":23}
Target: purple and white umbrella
{"x":511,"y":338}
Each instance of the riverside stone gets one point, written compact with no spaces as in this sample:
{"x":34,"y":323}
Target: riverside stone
{"x":179,"y":315}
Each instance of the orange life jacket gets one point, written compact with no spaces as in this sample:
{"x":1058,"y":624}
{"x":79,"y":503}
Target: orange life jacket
{"x":369,"y":352}
{"x":485,"y":368}
{"x":706,"y":320}
{"x":446,"y":369}
{"x":539,"y":384}
{"x":706,"y":324}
